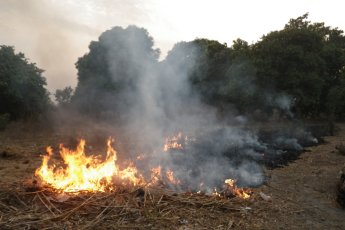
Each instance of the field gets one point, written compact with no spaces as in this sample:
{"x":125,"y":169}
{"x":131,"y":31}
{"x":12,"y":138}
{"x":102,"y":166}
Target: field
{"x":302,"y":195}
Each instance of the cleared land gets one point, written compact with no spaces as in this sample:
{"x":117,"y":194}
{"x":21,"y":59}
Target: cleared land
{"x":303,"y":196}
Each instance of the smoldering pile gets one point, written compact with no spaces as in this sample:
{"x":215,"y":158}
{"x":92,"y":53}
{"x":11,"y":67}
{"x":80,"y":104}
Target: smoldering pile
{"x":206,"y":160}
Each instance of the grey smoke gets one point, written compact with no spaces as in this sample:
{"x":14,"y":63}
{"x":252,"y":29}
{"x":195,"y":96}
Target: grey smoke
{"x":288,"y":143}
{"x":280,"y":101}
{"x":161,"y":102}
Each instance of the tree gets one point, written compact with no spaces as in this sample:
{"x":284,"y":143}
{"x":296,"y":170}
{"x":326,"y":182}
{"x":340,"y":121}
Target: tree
{"x":304,"y":60}
{"x":304,"y":63}
{"x":205,"y":61}
{"x":112,"y":69}
{"x":22,"y":86}
{"x":222,"y":76}
{"x":64,"y":96}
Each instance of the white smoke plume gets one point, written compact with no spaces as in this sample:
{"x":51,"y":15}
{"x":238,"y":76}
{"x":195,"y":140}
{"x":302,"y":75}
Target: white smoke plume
{"x":156,"y":100}
{"x":161,"y":103}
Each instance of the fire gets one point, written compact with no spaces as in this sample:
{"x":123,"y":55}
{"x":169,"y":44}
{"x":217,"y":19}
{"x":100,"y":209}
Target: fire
{"x":93,"y":173}
{"x":216,"y":193}
{"x":171,"y":178}
{"x":85,"y":173}
{"x":177,"y":142}
{"x":239,"y":192}
{"x":156,"y":175}
{"x":173,"y":142}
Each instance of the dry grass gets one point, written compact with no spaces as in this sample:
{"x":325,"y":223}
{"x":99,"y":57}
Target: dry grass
{"x":153,"y":208}
{"x":303,"y":196}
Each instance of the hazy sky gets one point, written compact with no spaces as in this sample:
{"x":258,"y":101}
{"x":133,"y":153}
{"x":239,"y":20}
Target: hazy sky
{"x":54,"y":33}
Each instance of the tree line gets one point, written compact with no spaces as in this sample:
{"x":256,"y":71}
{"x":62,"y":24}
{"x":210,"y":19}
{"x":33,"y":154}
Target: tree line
{"x":299,"y":68}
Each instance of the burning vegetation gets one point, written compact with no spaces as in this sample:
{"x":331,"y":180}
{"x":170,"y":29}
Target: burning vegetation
{"x":202,"y":88}
{"x":79,"y":172}
{"x":85,"y":173}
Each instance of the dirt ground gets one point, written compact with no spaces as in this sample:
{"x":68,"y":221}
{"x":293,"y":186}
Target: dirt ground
{"x":303,"y":193}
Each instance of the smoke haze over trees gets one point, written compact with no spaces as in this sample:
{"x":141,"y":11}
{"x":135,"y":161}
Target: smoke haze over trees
{"x":202,"y":88}
{"x":112,"y":69}
{"x":300,"y":67}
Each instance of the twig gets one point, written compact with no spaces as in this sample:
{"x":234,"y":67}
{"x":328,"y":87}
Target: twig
{"x":46,"y":205}
{"x":160,"y":199}
{"x":7,"y":207}
{"x":22,"y":202}
{"x":98,"y":219}
{"x":76,"y":208}
{"x":51,"y":203}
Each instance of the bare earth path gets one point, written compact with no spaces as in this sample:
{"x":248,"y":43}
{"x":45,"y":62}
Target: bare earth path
{"x":303,"y":193}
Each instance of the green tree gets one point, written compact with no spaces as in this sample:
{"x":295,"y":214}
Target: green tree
{"x":111,"y":70}
{"x":219,"y":75}
{"x":222,"y":76}
{"x":205,"y":61}
{"x":64,"y":96}
{"x":304,"y":60}
{"x":22,"y":86}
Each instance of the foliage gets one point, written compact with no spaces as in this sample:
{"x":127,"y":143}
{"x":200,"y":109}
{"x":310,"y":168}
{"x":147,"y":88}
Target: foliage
{"x":205,"y":62}
{"x":336,"y":100}
{"x":64,"y":96}
{"x":222,"y":76}
{"x":112,"y":69}
{"x":301,"y":65}
{"x":304,"y":60}
{"x":22,"y":86}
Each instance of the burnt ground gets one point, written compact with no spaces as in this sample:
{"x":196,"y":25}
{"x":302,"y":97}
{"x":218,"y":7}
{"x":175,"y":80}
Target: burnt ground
{"x":303,"y":193}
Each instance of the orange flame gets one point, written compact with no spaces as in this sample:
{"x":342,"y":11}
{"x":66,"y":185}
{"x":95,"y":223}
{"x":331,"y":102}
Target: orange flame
{"x":171,"y":178}
{"x":85,"y":173}
{"x":239,"y":192}
{"x":93,"y":173}
{"x":156,"y":175}
{"x":173,"y":142}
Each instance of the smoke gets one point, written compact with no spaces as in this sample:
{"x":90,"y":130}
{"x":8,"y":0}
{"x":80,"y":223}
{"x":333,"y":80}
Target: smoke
{"x":55,"y":33}
{"x":161,"y":102}
{"x":156,"y":100}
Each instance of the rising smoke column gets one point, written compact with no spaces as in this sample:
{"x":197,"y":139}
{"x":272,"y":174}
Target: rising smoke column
{"x":149,"y":100}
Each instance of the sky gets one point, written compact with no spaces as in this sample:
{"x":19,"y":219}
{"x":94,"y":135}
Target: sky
{"x":54,"y":33}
